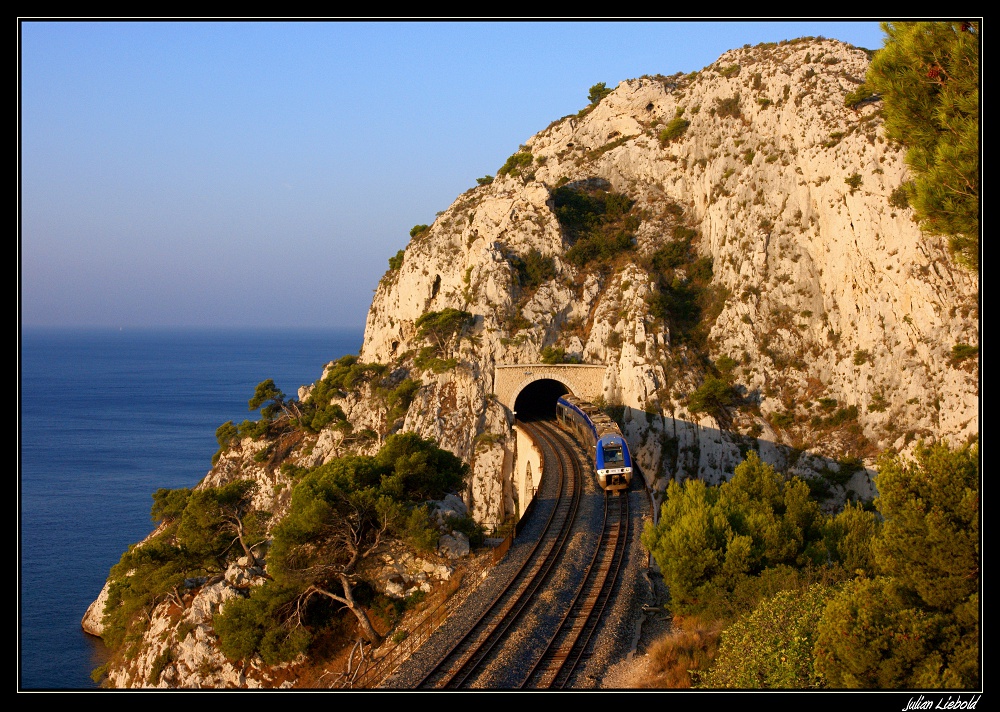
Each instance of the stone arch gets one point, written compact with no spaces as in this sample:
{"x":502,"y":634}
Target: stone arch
{"x":583,"y":380}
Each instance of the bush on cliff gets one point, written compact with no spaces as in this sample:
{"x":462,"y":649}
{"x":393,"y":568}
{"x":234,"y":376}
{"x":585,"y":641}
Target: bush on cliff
{"x":340,"y":513}
{"x":722,"y":549}
{"x":203,"y":530}
{"x":887,"y":600}
{"x":598,"y":224}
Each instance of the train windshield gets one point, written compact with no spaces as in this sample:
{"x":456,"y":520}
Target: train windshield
{"x":613,"y":455}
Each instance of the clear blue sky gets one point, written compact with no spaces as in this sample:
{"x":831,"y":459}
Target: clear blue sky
{"x":262,"y":173}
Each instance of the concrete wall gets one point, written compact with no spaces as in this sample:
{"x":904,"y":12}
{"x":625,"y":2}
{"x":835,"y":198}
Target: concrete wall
{"x":527,"y":470}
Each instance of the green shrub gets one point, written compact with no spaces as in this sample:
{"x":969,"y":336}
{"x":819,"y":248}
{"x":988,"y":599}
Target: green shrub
{"x":516,"y":163}
{"x":853,"y":181}
{"x":201,"y":528}
{"x":609,"y":146}
{"x":878,"y":404}
{"x":159,"y":664}
{"x":427,"y":360}
{"x":714,"y":544}
{"x":726,"y":365}
{"x":772,"y":647}
{"x":674,"y":130}
{"x":345,"y":375}
{"x":927,"y":74}
{"x":599,"y":247}
{"x":917,"y":625}
{"x":255,"y":625}
{"x":225,"y":434}
{"x":533,"y":269}
{"x":552,"y":355}
{"x":485,"y":180}
{"x":835,"y":137}
{"x":598,"y":224}
{"x":681,"y":302}
{"x":843,"y":415}
{"x":899,"y":198}
{"x":419,"y":530}
{"x":396,"y":261}
{"x":399,"y":399}
{"x":99,"y":673}
{"x":827,"y":404}
{"x":597,"y":92}
{"x":440,"y":328}
{"x":783,"y":420}
{"x":712,"y":397}
{"x":962,"y":352}
{"x":471,"y":528}
{"x":728,"y":107}
{"x":169,"y":504}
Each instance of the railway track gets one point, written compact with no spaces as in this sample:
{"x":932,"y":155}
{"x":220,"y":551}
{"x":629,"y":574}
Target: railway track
{"x":536,"y":627}
{"x":463,"y":661}
{"x":568,"y":648}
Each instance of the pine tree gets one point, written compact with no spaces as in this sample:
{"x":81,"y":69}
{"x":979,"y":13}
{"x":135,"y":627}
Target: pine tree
{"x":917,"y":626}
{"x":927,"y":74}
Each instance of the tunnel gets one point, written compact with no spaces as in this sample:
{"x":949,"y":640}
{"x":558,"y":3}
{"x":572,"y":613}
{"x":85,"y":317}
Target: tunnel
{"x":538,"y":399}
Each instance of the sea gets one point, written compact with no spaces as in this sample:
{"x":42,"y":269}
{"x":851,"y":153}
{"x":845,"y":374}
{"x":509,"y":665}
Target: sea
{"x":107,"y":417}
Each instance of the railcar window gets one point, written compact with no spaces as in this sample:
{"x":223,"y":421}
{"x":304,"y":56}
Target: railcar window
{"x":613,"y":455}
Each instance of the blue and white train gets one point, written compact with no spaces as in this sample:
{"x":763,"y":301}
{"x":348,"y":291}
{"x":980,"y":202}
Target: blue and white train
{"x":599,"y":432}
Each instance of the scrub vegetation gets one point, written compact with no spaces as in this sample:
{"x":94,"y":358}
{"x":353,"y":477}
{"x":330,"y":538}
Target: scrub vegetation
{"x":882,"y":597}
{"x":339,"y":513}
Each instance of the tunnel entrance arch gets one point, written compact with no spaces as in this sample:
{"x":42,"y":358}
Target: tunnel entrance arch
{"x":538,"y":399}
{"x":583,"y":380}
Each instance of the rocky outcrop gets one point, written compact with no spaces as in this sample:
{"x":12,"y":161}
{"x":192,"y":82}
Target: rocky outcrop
{"x":834,"y":306}
{"x":818,"y":299}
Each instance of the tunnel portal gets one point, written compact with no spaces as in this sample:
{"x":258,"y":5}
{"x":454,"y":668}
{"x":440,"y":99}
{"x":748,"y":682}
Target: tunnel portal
{"x":520,"y":387}
{"x":538,"y":399}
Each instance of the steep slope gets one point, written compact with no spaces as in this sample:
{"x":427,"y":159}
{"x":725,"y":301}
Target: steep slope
{"x":840,"y":315}
{"x":730,"y":244}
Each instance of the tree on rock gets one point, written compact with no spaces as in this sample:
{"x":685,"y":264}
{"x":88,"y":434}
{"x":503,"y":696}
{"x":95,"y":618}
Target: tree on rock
{"x":598,"y":92}
{"x":326,"y":534}
{"x":441,"y":327}
{"x":217,"y":519}
{"x":271,"y":400}
{"x":928,"y":76}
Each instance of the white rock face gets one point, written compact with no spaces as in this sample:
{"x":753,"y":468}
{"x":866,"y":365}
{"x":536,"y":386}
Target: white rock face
{"x":833,"y":315}
{"x":179,"y":648}
{"x":830,"y":292}
{"x":454,"y":545}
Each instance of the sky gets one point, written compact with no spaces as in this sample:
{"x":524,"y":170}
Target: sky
{"x":261,"y":174}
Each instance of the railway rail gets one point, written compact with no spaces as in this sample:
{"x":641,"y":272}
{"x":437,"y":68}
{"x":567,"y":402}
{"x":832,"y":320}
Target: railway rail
{"x":568,"y":648}
{"x":462,"y":661}
{"x":535,"y":625}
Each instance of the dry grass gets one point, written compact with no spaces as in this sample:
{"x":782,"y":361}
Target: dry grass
{"x":676,"y":659}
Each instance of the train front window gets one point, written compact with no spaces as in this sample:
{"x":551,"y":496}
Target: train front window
{"x":613,"y":455}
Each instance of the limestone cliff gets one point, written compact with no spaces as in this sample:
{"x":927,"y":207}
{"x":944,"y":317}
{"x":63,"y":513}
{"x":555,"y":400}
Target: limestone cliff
{"x":758,"y":242}
{"x":828,"y":292}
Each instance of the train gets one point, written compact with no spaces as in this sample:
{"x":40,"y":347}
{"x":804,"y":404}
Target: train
{"x":595,"y":429}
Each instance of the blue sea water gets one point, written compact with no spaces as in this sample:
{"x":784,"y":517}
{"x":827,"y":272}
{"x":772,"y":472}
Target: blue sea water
{"x":106,"y":418}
